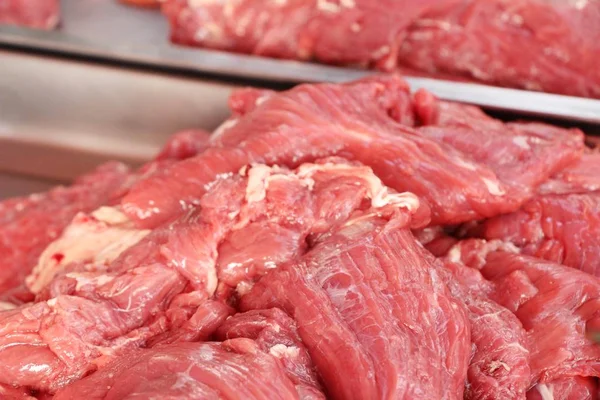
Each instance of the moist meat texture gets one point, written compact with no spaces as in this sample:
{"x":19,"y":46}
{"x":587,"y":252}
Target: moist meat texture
{"x":547,"y":45}
{"x":332,"y":241}
{"x":40,"y":14}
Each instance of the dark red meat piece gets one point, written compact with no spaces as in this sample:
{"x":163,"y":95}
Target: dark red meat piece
{"x":355,"y":120}
{"x":29,"y":224}
{"x":532,"y":44}
{"x":366,"y":299}
{"x":41,"y":14}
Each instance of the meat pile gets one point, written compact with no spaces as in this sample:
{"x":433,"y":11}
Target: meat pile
{"x":546,"y":45}
{"x":343,"y":241}
{"x":40,"y":14}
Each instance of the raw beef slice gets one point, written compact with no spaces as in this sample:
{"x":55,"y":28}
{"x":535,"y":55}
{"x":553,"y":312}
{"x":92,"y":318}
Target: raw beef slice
{"x":548,"y":45}
{"x":41,"y":14}
{"x":29,"y":224}
{"x":368,"y":302}
{"x":559,"y":318}
{"x":234,"y":369}
{"x":560,"y":228}
{"x":359,"y":120}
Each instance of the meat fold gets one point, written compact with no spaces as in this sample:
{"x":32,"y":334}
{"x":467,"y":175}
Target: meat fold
{"x":367,"y":301}
{"x":40,"y":14}
{"x":276,"y":334}
{"x":359,"y":121}
{"x":28,"y":224}
{"x":580,"y":177}
{"x":559,"y":228}
{"x":531,"y":44}
{"x":234,"y":369}
{"x":558,"y":318}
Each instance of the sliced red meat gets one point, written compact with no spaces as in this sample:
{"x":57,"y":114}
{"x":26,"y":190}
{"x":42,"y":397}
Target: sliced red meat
{"x":334,"y":31}
{"x":29,"y":224}
{"x":530,"y":44}
{"x":368,"y":302}
{"x":8,"y":392}
{"x":354,"y":120}
{"x":184,"y":144}
{"x":560,"y":228}
{"x":41,"y":14}
{"x":571,"y":388}
{"x":276,"y":334}
{"x":580,"y":177}
{"x":235,"y":369}
{"x":558,"y":318}
{"x":499,"y":365}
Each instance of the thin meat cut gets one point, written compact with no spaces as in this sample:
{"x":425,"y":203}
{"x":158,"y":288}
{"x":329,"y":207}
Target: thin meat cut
{"x":41,"y":14}
{"x":558,"y":318}
{"x":547,"y":45}
{"x":499,"y":365}
{"x":368,"y":302}
{"x":560,"y":228}
{"x":29,"y":224}
{"x":580,"y":177}
{"x":359,"y":120}
{"x":234,"y":369}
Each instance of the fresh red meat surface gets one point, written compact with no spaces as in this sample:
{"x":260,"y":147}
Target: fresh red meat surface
{"x":359,"y":121}
{"x":560,"y":228}
{"x":499,"y":365}
{"x":557,"y":305}
{"x":314,"y":247}
{"x":29,"y":224}
{"x":41,"y":14}
{"x":234,"y":369}
{"x":184,"y":144}
{"x":366,"y":298}
{"x":580,"y":177}
{"x":572,"y":388}
{"x":547,"y":45}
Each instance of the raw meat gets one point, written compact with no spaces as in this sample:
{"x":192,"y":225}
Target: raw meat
{"x":557,"y":317}
{"x":359,"y":121}
{"x":150,"y":292}
{"x":276,"y":334}
{"x":184,"y":144}
{"x":547,"y":45}
{"x":29,"y":224}
{"x":575,"y":388}
{"x":580,"y":177}
{"x":560,"y":228}
{"x":499,"y":365}
{"x":366,"y":299}
{"x":41,"y":14}
{"x":235,"y":369}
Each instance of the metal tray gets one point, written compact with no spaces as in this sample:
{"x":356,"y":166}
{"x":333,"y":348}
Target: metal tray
{"x":60,"y":118}
{"x":108,"y":30}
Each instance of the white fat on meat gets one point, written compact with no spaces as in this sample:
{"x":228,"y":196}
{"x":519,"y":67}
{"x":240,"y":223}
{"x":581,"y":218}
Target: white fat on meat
{"x":98,"y":238}
{"x":283,"y":351}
